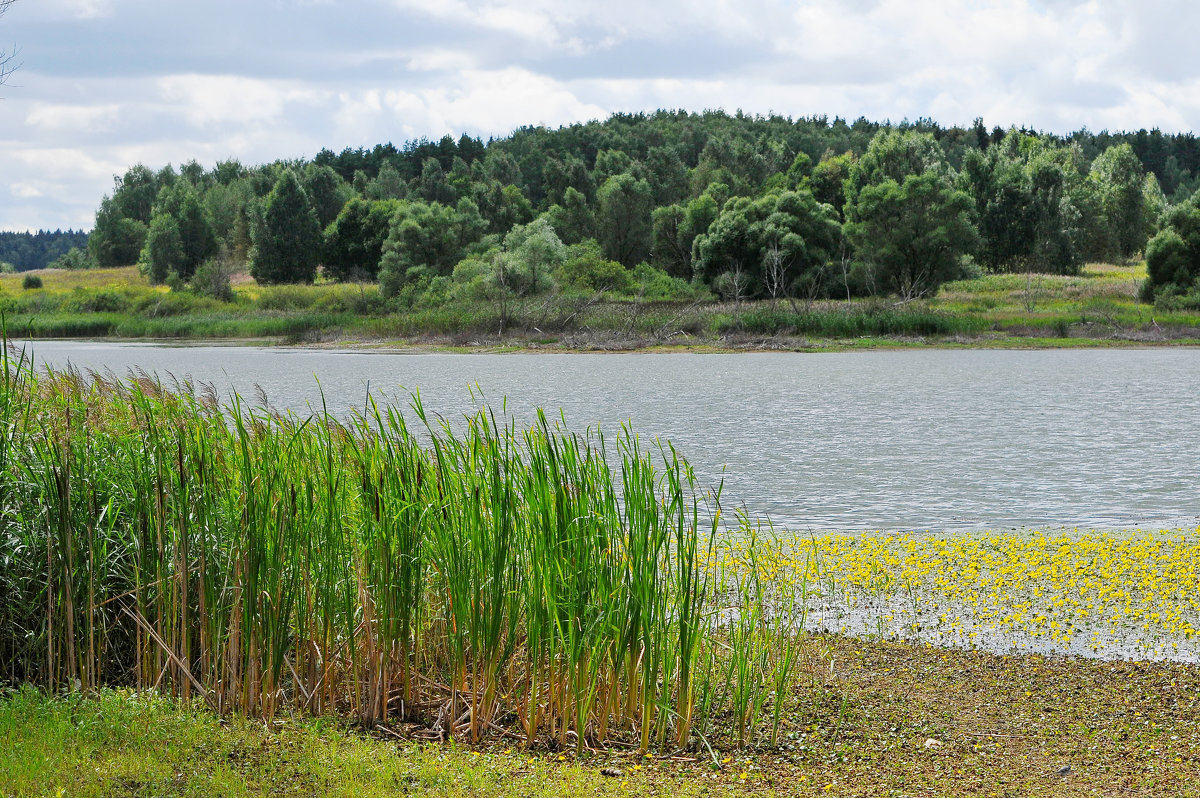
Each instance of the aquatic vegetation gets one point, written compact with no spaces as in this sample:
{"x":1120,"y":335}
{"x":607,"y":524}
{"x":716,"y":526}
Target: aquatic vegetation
{"x":476,"y":577}
{"x":1129,"y":594}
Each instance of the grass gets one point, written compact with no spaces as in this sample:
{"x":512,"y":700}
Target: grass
{"x":857,"y":724}
{"x":1038,"y":310}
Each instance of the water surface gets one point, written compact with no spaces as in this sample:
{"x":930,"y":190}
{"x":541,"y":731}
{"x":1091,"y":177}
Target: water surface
{"x":924,"y":439}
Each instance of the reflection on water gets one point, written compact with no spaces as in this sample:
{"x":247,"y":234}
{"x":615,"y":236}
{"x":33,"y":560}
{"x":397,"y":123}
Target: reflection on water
{"x":867,"y":440}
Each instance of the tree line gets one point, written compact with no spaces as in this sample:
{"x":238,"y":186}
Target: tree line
{"x":21,"y":252}
{"x":673,"y":204}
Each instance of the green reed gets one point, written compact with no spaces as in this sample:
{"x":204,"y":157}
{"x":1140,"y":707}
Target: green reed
{"x":479,"y":577}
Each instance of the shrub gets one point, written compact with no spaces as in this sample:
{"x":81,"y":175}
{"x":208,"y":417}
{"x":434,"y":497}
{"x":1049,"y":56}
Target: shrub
{"x":31,"y":282}
{"x":588,"y":270}
{"x":212,"y":279}
{"x":82,"y":301}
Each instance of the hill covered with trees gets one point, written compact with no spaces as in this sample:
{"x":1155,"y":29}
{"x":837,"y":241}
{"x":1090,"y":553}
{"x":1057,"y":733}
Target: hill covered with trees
{"x":673,"y":205}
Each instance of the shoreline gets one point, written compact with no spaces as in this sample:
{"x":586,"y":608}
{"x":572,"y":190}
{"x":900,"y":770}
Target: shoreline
{"x":433,"y":344}
{"x":868,"y":718}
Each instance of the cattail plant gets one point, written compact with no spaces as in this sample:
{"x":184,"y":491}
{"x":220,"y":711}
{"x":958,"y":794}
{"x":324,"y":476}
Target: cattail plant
{"x":478,"y":577}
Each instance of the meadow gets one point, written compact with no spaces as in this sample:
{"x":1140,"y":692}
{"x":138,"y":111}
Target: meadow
{"x":1098,"y":305}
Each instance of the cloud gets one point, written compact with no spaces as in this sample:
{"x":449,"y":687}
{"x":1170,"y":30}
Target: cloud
{"x":25,"y":190}
{"x":220,"y":99}
{"x":108,"y":83}
{"x":76,"y":118}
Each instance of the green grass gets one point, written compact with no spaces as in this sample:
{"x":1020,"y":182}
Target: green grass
{"x":856,"y":724}
{"x":119,"y":743}
{"x":1099,"y":304}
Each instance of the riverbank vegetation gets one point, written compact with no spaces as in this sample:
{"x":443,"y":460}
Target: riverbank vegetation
{"x":477,"y":578}
{"x":858,"y":723}
{"x":1098,"y":305}
{"x":645,"y":228}
{"x":705,"y":229}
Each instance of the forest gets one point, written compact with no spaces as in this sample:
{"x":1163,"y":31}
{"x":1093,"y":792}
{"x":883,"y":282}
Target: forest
{"x":22,"y":252}
{"x":673,"y":205}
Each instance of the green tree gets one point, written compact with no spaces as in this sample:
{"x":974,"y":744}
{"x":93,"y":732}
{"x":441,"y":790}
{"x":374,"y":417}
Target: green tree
{"x":287,"y":241}
{"x":434,"y":186}
{"x":799,"y":239}
{"x":775,"y":244}
{"x":828,"y":179}
{"x":587,"y":270}
{"x":116,"y":240}
{"x":181,"y":203}
{"x":1003,"y":194}
{"x":163,"y":251}
{"x":74,"y":259}
{"x":667,"y":175}
{"x":573,"y":220}
{"x":1120,"y":178}
{"x":533,"y":252}
{"x":427,"y":239}
{"x":894,"y":155}
{"x":353,"y":242}
{"x":729,"y":255}
{"x":137,"y":190}
{"x":913,"y":234}
{"x":1173,"y":255}
{"x":1154,"y":206}
{"x":623,"y":219}
{"x":388,"y":184}
{"x":610,"y":163}
{"x":326,"y":191}
{"x":698,"y":216}
{"x":666,"y":246}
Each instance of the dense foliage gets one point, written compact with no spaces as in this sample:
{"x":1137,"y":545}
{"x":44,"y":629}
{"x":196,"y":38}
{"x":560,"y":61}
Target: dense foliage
{"x":25,"y":251}
{"x":740,"y":206}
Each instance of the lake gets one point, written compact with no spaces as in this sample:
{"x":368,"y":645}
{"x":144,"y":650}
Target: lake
{"x":918,"y":439}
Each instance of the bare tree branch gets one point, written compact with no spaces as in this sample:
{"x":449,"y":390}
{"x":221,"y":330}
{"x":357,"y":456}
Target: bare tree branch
{"x":7,"y":57}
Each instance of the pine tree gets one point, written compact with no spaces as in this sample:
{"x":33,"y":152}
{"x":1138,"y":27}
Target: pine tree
{"x":287,"y":242}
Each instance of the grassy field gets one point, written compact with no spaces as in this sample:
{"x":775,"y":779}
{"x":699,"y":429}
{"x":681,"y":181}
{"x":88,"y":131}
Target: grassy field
{"x":1039,"y":310}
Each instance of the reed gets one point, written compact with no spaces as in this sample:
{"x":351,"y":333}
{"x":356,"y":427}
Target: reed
{"x":478,"y":578}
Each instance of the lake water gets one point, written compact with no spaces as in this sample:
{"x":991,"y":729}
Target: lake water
{"x":923,"y":439}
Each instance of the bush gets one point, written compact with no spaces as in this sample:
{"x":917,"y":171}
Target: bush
{"x":175,"y":303}
{"x":82,"y":301}
{"x":287,"y":297}
{"x":655,"y":285}
{"x":852,"y":322}
{"x":212,"y":279}
{"x":76,"y":259}
{"x":31,"y":282}
{"x":586,"y":269}
{"x":360,"y":299}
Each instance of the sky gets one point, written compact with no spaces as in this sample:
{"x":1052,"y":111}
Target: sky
{"x":105,"y":84}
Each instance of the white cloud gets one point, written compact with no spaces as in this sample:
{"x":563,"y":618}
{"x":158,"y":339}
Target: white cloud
{"x":495,"y":101}
{"x":68,"y":9}
{"x":89,"y":104}
{"x":66,"y":164}
{"x":26,"y":190}
{"x":76,"y":118}
{"x":221,"y":99}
